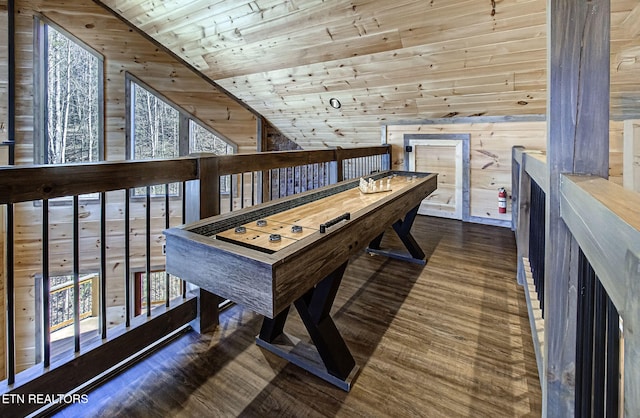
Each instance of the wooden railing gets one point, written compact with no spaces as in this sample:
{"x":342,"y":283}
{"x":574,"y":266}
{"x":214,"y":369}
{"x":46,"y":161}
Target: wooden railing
{"x":604,"y":221}
{"x":207,"y":185}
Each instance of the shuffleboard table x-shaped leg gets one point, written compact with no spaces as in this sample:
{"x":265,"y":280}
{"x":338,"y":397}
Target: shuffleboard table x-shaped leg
{"x":331,"y":359}
{"x":403,"y":229}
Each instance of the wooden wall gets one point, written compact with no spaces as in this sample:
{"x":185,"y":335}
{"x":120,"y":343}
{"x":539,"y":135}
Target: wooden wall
{"x":490,"y":155}
{"x":124,"y":51}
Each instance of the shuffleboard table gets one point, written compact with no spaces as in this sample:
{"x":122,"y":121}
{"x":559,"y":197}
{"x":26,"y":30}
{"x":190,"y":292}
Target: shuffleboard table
{"x":294,"y":251}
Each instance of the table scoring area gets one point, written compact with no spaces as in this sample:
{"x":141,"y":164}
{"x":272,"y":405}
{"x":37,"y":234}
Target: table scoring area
{"x":276,"y":232}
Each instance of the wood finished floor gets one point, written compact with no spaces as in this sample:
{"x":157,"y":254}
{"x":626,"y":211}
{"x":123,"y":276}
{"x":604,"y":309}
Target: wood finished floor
{"x":449,"y":339}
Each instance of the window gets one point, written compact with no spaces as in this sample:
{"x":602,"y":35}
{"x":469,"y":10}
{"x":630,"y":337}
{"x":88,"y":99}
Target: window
{"x":203,"y":140}
{"x":61,"y":299}
{"x":68,"y":88}
{"x":158,"y":289}
{"x":157,"y":129}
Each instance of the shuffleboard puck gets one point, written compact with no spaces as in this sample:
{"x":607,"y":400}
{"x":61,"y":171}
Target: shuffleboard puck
{"x":296,"y":229}
{"x":274,"y":238}
{"x":261,"y":222}
{"x":240,"y":230}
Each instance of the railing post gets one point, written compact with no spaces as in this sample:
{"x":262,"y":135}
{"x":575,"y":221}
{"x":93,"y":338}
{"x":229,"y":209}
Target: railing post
{"x":578,"y":63}
{"x":202,"y":201}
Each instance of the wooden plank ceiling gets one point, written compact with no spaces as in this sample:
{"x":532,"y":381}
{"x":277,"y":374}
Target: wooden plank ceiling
{"x":386,"y":61}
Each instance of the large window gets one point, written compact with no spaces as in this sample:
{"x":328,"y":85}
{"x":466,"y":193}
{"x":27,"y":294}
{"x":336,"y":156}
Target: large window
{"x":203,"y":140}
{"x":68,"y":85}
{"x":158,"y":129}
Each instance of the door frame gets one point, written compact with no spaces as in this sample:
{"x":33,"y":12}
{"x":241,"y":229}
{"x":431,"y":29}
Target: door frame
{"x":441,"y":139}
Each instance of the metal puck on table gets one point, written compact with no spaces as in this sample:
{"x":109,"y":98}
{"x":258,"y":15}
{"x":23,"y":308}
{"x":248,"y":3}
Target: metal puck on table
{"x":274,"y":238}
{"x":296,"y":229}
{"x":240,"y":230}
{"x":261,"y":222}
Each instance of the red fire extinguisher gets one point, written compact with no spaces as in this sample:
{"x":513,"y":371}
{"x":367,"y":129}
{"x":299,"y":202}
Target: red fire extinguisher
{"x":502,"y":200}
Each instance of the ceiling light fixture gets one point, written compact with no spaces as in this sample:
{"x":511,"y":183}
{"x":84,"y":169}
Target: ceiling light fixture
{"x":334,"y":103}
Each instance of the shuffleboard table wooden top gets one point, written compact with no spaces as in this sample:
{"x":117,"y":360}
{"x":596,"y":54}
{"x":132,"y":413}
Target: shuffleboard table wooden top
{"x":267,"y":256}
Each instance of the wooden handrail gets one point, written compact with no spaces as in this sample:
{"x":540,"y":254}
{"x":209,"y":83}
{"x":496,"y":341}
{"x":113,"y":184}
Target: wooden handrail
{"x":604,"y":219}
{"x":28,"y":183}
{"x":534,"y":162}
{"x":232,"y":164}
{"x":347,"y":153}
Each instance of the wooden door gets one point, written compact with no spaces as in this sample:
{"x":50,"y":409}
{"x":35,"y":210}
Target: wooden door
{"x":445,"y":158}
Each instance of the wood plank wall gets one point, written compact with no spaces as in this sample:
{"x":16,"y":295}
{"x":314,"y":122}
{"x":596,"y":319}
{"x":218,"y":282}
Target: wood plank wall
{"x":124,"y":51}
{"x":490,"y":152}
{"x":490,"y":149}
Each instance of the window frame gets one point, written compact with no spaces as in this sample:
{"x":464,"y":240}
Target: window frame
{"x":138,"y":298}
{"x":40,"y":96}
{"x":184,"y":120}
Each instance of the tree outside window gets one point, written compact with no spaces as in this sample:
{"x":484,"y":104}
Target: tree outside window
{"x":156,"y":126}
{"x":73,"y":82}
{"x":159,"y":130}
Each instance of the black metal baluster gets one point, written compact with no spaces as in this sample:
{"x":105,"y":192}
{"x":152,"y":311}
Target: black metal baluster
{"x":148,"y":250}
{"x":279,"y":183}
{"x":46,"y":286}
{"x":221,"y":188}
{"x":537,"y":240}
{"x":294,"y":182}
{"x":167,"y":224}
{"x":584,"y":337}
{"x":612,"y":383}
{"x":230,"y":193}
{"x":102,"y":289}
{"x":541,"y":246}
{"x":11,"y":314}
{"x":183,"y":220}
{"x":253,"y":188}
{"x":127,"y":258}
{"x":599,"y":348}
{"x":241,"y":190}
{"x":287,"y":181}
{"x":76,"y":274}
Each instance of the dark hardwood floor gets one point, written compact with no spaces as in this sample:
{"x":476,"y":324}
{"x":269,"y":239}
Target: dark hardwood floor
{"x":449,"y":339}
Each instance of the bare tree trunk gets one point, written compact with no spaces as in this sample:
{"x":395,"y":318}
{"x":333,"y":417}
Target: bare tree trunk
{"x":54,"y":142}
{"x":67,"y":102}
